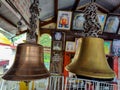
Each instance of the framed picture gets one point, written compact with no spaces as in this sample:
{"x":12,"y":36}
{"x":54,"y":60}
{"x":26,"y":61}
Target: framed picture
{"x":112,"y":24}
{"x":56,"y":67}
{"x":101,"y":17}
{"x":116,"y":47}
{"x":57,"y":56}
{"x":107,"y":47}
{"x":57,"y":45}
{"x":78,"y":21}
{"x":64,"y":20}
{"x":78,"y":42}
{"x":119,"y":31}
{"x":58,"y":35}
{"x":70,"y":46}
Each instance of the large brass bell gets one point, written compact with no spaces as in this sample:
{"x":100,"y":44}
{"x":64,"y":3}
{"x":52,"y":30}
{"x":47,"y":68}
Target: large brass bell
{"x":28,"y":64}
{"x":90,"y":60}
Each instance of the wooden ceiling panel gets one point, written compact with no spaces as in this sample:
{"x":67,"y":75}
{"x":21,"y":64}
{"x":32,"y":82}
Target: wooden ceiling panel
{"x":7,"y":26}
{"x":8,"y":14}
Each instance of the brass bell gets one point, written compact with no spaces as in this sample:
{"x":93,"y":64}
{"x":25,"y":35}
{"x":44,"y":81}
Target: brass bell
{"x":90,"y":60}
{"x":78,"y":48}
{"x":28,"y":64}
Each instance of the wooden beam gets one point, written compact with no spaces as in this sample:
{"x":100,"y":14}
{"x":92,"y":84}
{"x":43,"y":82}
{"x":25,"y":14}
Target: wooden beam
{"x":54,"y":19}
{"x":16,"y":10}
{"x":116,"y":14}
{"x":55,"y":9}
{"x":106,"y":36}
{"x":114,"y":9}
{"x":43,"y":23}
{"x":98,"y":6}
{"x":8,"y":21}
{"x":21,"y":32}
{"x":82,"y":7}
{"x":44,"y":30}
{"x":75,"y":5}
{"x":101,"y":8}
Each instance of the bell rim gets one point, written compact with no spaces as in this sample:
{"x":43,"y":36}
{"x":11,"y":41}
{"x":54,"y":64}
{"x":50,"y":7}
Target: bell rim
{"x":90,"y":37}
{"x":35,"y":44}
{"x":25,"y":78}
{"x":110,"y":75}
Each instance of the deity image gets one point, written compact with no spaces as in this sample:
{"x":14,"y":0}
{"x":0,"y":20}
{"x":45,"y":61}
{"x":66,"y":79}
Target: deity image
{"x":78,"y":22}
{"x":112,"y":24}
{"x":64,"y":21}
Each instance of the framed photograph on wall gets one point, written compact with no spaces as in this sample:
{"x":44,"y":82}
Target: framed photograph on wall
{"x":57,"y":35}
{"x":116,"y":47}
{"x":78,"y":21}
{"x":78,"y":42}
{"x":56,"y":67}
{"x":57,"y":56}
{"x":70,"y":46}
{"x":107,"y":47}
{"x":112,"y":24}
{"x":64,"y":20}
{"x":119,"y":31}
{"x":101,"y":17}
{"x":57,"y":45}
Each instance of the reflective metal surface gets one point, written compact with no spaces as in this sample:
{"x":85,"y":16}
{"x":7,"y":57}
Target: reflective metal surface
{"x":28,"y":64}
{"x":90,"y":60}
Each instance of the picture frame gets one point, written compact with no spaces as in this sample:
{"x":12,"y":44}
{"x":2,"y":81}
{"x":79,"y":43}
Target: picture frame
{"x":57,"y":45}
{"x":56,"y":67}
{"x":58,"y":36}
{"x":107,"y":47}
{"x":57,"y":56}
{"x":101,"y":17}
{"x":64,"y":20}
{"x":78,"y":42}
{"x":112,"y":24}
{"x":119,"y":31}
{"x":78,"y":21}
{"x":70,"y":46}
{"x":115,"y":47}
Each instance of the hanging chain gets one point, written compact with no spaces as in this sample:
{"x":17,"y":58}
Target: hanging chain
{"x":91,"y":25}
{"x":34,"y":11}
{"x":0,"y":3}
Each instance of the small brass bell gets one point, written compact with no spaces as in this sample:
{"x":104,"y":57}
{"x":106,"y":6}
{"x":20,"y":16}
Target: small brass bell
{"x":28,"y":64}
{"x":90,"y":60}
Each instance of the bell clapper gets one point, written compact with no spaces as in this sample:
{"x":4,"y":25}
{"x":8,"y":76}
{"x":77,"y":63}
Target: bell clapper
{"x":24,"y":85}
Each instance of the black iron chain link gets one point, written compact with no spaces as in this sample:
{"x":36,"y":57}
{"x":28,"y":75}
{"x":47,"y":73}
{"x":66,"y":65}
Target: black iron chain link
{"x":34,"y":11}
